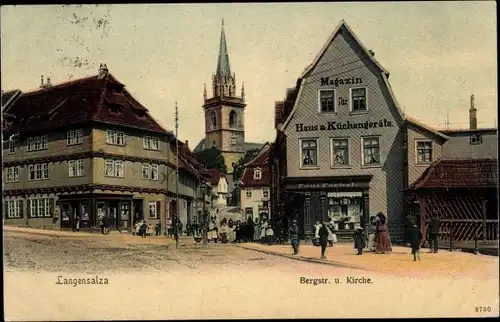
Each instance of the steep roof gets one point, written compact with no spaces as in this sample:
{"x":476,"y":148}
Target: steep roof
{"x":87,"y":99}
{"x":223,"y":68}
{"x":8,"y":98}
{"x":341,"y":26}
{"x":465,"y":173}
{"x":410,"y":120}
{"x":300,"y":83}
{"x":214,"y":176}
{"x":259,"y":162}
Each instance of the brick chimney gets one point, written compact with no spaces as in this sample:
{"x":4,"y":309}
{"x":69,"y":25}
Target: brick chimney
{"x":472,"y":114}
{"x":42,"y":85}
{"x":48,"y":82}
{"x":186,"y":143}
{"x":103,"y":71}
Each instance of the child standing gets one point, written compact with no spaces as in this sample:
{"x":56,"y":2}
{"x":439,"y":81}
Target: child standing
{"x":269,"y":235}
{"x":359,"y":240}
{"x":415,"y":235}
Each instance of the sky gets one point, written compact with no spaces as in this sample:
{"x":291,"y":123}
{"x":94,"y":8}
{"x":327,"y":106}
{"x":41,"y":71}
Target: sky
{"x":437,"y":53}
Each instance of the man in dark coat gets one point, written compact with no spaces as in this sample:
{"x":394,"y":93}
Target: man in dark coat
{"x":359,"y":240}
{"x":434,"y":226}
{"x":323,"y":239}
{"x":410,"y":220}
{"x":415,"y":235}
{"x":294,"y":236}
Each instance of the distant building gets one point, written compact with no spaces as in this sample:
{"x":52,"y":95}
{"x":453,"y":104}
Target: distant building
{"x":224,"y":113}
{"x":219,"y":184}
{"x":255,"y":186}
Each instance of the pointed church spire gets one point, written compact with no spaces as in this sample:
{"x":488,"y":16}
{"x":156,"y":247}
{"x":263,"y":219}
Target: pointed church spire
{"x":223,"y":68}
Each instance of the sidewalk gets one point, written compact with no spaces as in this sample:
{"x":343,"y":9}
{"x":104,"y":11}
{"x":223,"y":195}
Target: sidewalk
{"x":399,"y":262}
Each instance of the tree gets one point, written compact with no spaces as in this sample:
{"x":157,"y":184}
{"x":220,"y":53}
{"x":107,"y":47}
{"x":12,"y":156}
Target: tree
{"x":212,"y":159}
{"x":238,"y":172}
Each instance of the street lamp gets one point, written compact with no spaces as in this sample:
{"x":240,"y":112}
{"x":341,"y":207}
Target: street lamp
{"x":204,"y":191}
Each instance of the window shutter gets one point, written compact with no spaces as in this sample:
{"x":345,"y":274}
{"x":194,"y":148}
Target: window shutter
{"x":28,"y":208}
{"x":21,"y":208}
{"x":6,"y":209}
{"x":158,"y":207}
{"x":51,"y":207}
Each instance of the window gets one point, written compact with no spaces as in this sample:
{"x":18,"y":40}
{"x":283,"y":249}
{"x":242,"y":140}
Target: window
{"x":249,"y":193}
{"x":265,"y":193}
{"x":37,"y":143}
{"x":150,"y":172}
{"x":115,"y":137}
{"x":257,"y":174}
{"x":76,"y":168}
{"x":326,"y":100}
{"x":114,"y":168}
{"x":371,"y":150}
{"x":38,"y":172}
{"x":358,"y":99}
{"x":213,"y":120}
{"x":232,"y":119}
{"x":154,"y":209}
{"x":424,"y":151}
{"x":476,"y":139}
{"x":340,"y":152}
{"x":309,"y":152}
{"x":43,"y":207}
{"x":74,"y":137}
{"x":12,"y":174}
{"x":12,"y":146}
{"x":14,"y":208}
{"x":151,"y":143}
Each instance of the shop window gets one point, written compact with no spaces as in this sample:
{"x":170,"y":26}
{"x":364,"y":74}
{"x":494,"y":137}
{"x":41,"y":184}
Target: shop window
{"x":358,"y":99}
{"x":371,"y":151}
{"x":154,"y":209}
{"x":340,"y":152}
{"x":424,"y":151}
{"x":326,"y":100}
{"x":309,"y":152}
{"x":43,"y":207}
{"x":476,"y":139}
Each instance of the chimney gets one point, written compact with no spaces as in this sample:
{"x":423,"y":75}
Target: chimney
{"x":472,"y":114}
{"x":371,"y":52}
{"x":42,"y":85}
{"x":103,"y":71}
{"x":186,"y":143}
{"x":205,"y":92}
{"x":48,"y":82}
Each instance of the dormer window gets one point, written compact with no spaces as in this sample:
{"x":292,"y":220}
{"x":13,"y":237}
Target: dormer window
{"x":476,"y":138}
{"x":257,"y":174}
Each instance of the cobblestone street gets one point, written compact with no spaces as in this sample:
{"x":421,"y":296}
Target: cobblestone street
{"x":150,"y":279}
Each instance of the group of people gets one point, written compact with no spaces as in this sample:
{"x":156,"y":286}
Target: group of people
{"x":240,"y":232}
{"x":413,"y":234}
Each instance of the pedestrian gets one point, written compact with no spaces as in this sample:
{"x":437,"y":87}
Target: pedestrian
{"x":372,"y":229}
{"x":250,"y":229}
{"x":105,"y":223}
{"x":359,"y":240}
{"x":223,"y":232}
{"x":294,"y":236}
{"x":269,"y":235}
{"x":410,"y":220}
{"x":157,"y":229}
{"x":332,"y":237}
{"x":415,"y":236}
{"x":434,"y":227}
{"x":383,"y":240}
{"x":263,"y":231}
{"x":256,"y":232}
{"x":323,"y":238}
{"x":143,"y":230}
{"x":78,"y":223}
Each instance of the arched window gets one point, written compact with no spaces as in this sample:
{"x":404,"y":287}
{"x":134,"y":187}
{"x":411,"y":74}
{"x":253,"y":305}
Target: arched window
{"x":233,"y":119}
{"x":214,"y":120}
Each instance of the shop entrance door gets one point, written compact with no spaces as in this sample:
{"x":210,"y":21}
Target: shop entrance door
{"x":112,"y":215}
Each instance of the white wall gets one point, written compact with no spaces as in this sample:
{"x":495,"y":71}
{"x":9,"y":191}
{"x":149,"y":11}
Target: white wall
{"x":255,"y":201}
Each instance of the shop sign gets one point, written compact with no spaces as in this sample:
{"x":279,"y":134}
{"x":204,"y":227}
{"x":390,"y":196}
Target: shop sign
{"x":327,"y":81}
{"x":335,"y":125}
{"x":327,"y":185}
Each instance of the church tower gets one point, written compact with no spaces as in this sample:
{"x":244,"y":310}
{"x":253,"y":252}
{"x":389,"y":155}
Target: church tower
{"x":224,"y":111}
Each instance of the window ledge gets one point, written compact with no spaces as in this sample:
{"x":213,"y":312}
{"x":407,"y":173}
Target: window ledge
{"x":149,"y":149}
{"x":309,"y":168}
{"x":329,"y":113}
{"x":340,"y":167}
{"x":370,"y":166}
{"x":358,"y":112}
{"x":422,"y":164}
{"x":70,"y":144}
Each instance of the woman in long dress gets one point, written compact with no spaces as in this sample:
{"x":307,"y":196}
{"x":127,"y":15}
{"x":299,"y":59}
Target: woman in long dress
{"x":383,"y":244}
{"x":263,"y":231}
{"x":372,"y":229}
{"x":256,"y":231}
{"x":332,"y":238}
{"x":231,"y":236}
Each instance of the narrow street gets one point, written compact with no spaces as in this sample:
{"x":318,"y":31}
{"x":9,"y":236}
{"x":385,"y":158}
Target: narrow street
{"x":149,"y":279}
